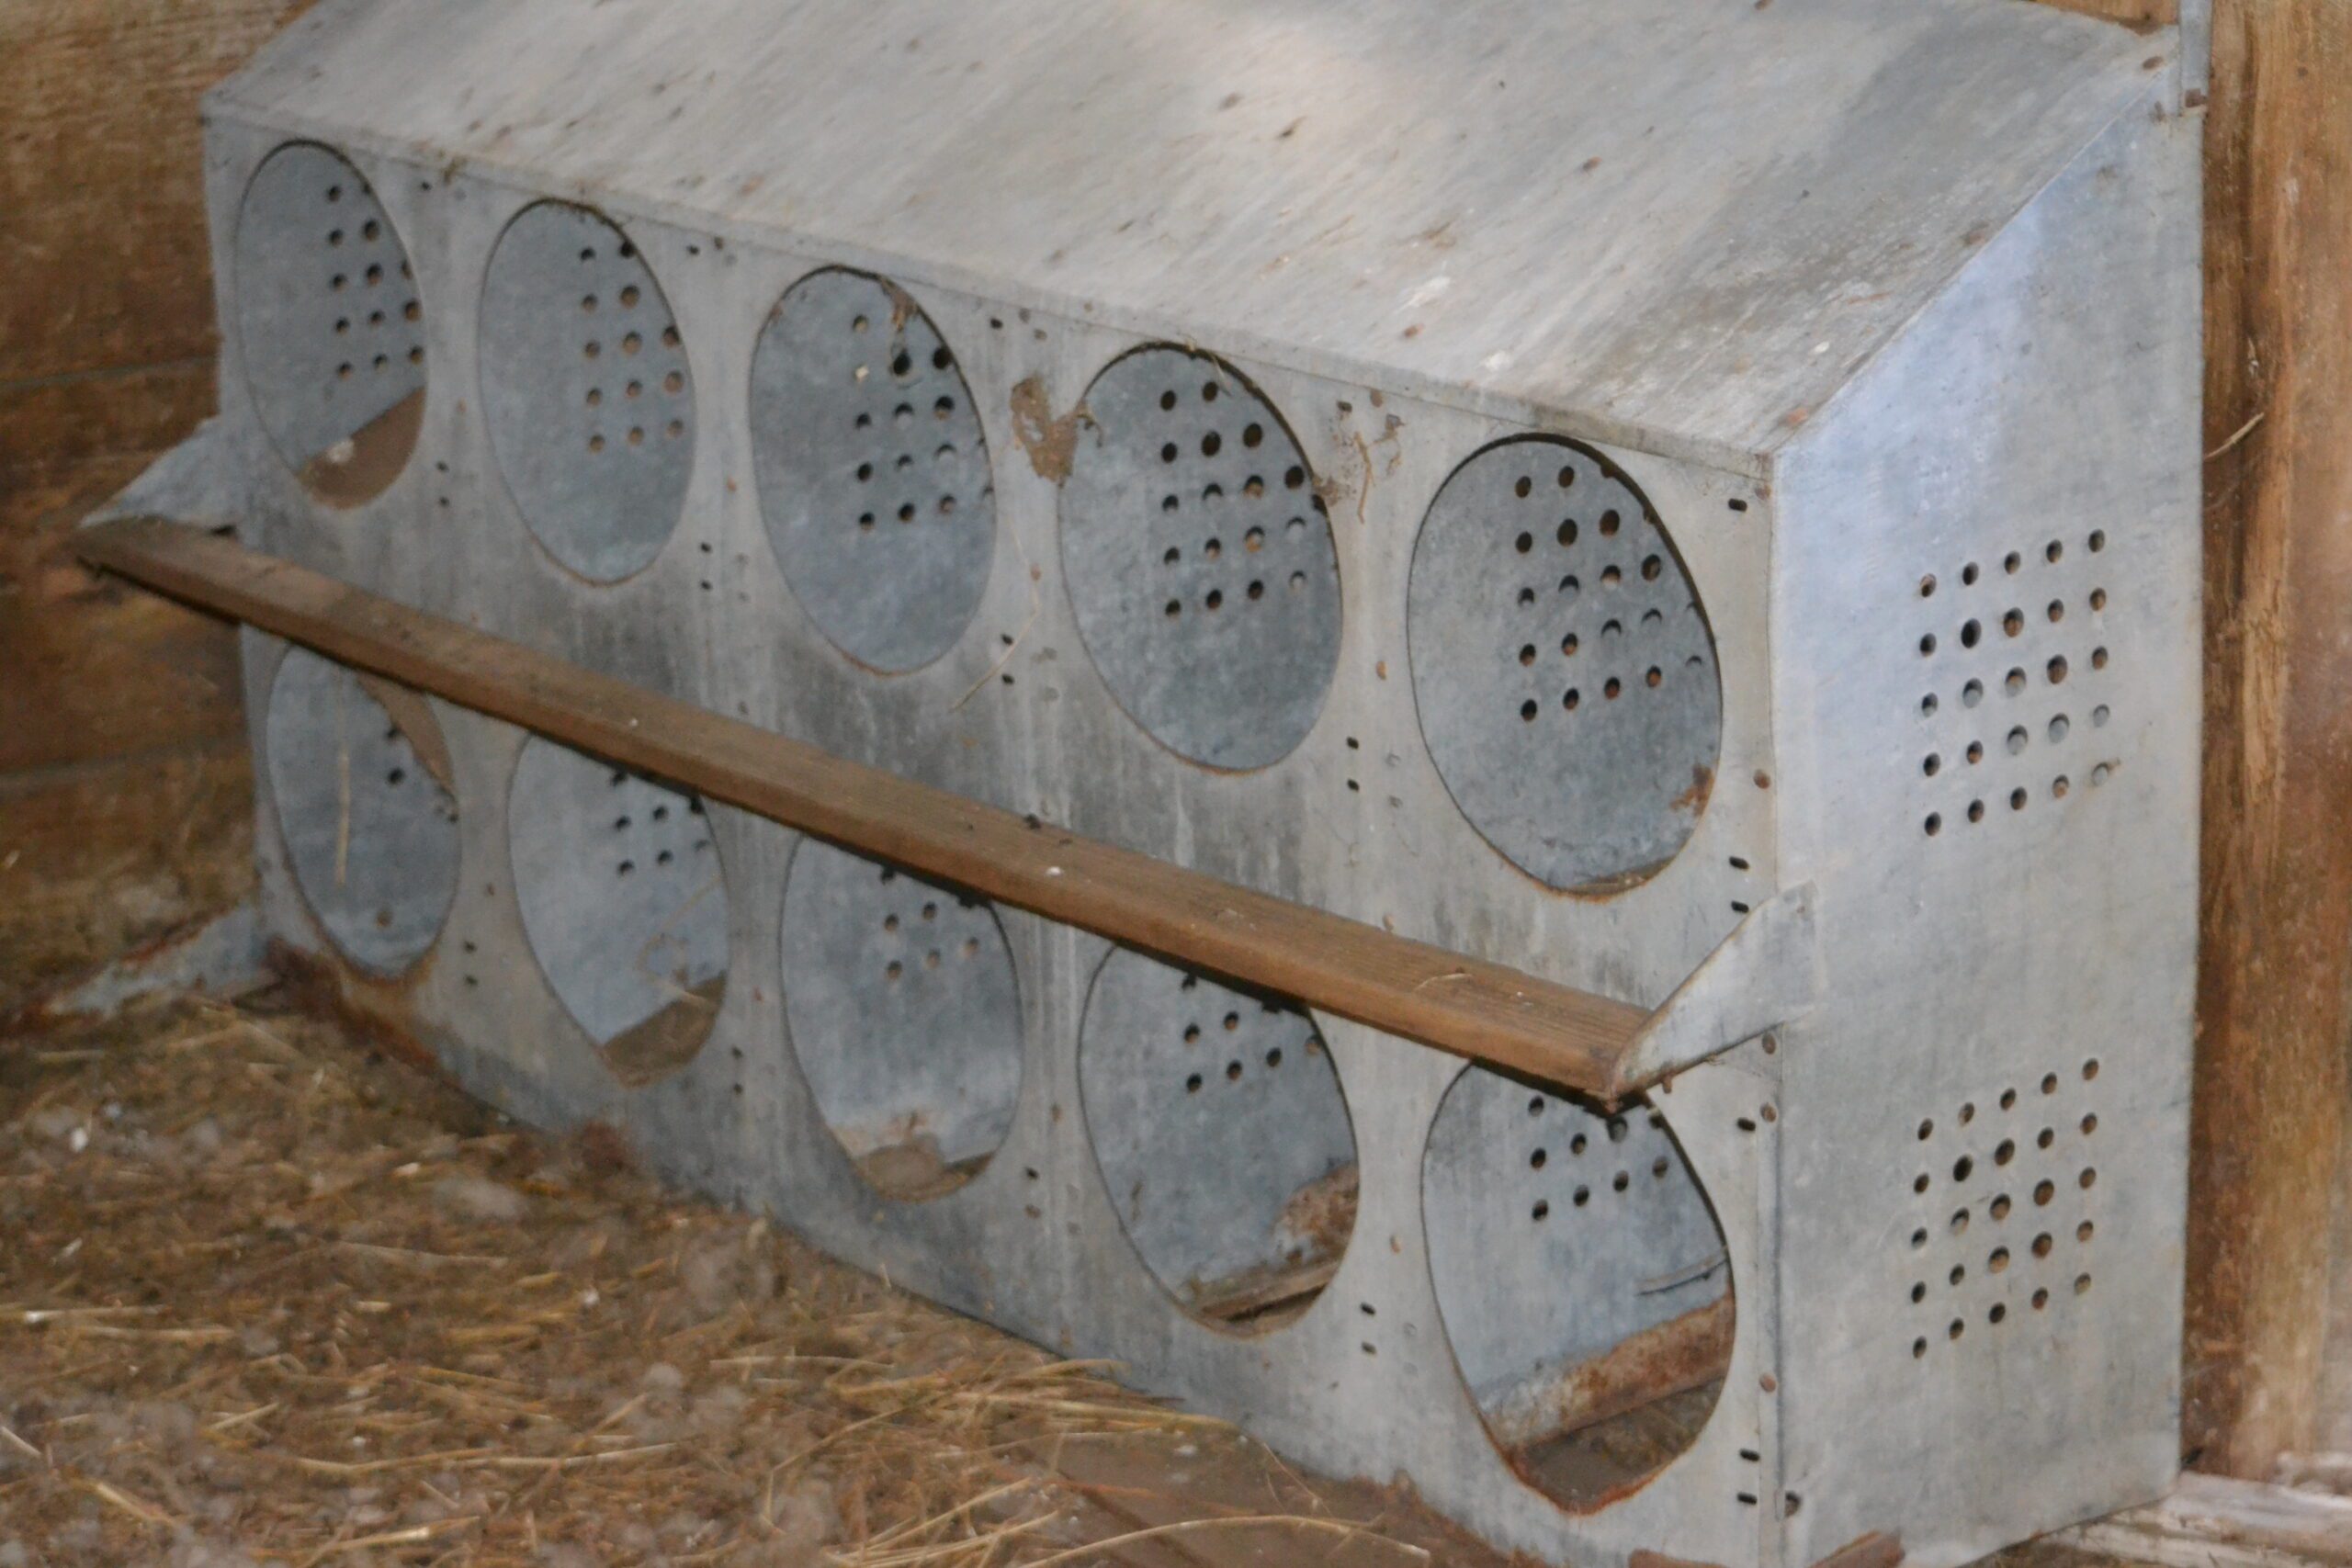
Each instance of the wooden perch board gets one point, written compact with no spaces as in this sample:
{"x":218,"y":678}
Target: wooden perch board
{"x":1483,"y":1011}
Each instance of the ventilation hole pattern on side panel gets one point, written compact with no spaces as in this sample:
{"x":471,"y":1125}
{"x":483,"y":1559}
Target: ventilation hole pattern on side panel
{"x":903,"y":1008}
{"x":2017,"y":659}
{"x":329,"y":324}
{"x":618,"y":884}
{"x":873,"y":472}
{"x":1582,"y":1278}
{"x":1223,"y":1139}
{"x":2005,"y":1210}
{"x":1563,"y":668}
{"x":361,"y":782}
{"x":1199,"y":560}
{"x":586,"y":390}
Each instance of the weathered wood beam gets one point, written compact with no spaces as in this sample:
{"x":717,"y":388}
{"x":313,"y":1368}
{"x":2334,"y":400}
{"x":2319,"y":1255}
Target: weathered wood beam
{"x":1483,"y":1011}
{"x":2211,"y":1521}
{"x":2270,"y":1122}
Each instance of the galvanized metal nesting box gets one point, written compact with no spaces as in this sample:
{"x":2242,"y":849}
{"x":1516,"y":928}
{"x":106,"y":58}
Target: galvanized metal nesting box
{"x":1567,"y":481}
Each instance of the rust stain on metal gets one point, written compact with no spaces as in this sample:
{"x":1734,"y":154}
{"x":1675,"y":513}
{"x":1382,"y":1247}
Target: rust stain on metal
{"x":1660,"y":1560}
{"x":53,"y":1008}
{"x":604,"y":1148}
{"x":1051,"y":443}
{"x":1694,"y":799}
{"x":379,"y":1011}
{"x":1322,"y":1215}
{"x":903,"y":308}
{"x":1876,"y":1549}
{"x":1679,"y":1355}
{"x":1327,"y":490}
{"x":2140,"y":16}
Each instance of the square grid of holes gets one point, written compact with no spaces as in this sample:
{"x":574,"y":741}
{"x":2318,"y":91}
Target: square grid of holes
{"x":2016,"y":656}
{"x":2003,"y":1212}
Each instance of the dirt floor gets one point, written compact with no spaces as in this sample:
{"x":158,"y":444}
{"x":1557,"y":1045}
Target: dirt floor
{"x":267,"y":1296}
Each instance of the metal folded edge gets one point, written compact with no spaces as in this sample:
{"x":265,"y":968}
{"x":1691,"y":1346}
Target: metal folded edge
{"x":200,"y":482}
{"x":1765,"y":974}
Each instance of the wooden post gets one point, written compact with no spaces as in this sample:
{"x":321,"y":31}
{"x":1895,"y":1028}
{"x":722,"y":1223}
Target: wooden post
{"x":2271,"y":1086}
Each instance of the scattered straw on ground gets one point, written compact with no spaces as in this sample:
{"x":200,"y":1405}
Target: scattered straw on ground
{"x":267,"y":1298}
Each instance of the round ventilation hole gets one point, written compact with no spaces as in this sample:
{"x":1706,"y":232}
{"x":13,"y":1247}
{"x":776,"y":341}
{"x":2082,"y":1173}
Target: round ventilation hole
{"x":619,"y":887}
{"x":873,"y":472}
{"x":329,"y":324}
{"x":361,"y":779}
{"x":1199,"y":560}
{"x":1223,"y":1139}
{"x":1582,"y":1281}
{"x":904,"y":1012}
{"x":586,"y":390}
{"x":1563,"y":668}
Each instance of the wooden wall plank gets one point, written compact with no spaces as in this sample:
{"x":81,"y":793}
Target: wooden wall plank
{"x":50,"y":430}
{"x":2270,"y":1115}
{"x":96,"y":860}
{"x":121,"y":811}
{"x":101,"y":176}
{"x":94,"y":672}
